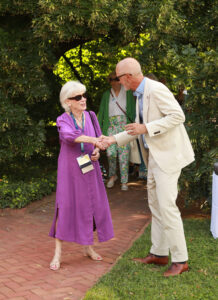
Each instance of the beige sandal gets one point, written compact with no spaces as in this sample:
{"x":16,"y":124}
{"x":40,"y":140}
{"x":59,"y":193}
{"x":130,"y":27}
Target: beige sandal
{"x":92,"y":254}
{"x":55,"y":264}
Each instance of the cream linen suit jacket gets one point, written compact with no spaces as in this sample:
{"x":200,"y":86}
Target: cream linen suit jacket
{"x":167,"y":138}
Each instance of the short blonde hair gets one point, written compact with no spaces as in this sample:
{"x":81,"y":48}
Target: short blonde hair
{"x":70,"y":89}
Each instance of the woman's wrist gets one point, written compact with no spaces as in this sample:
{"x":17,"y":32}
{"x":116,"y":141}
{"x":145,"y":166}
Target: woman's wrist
{"x":94,"y":141}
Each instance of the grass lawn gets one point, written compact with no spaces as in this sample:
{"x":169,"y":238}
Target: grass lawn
{"x":132,"y":280}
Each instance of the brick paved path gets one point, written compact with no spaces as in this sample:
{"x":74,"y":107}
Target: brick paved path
{"x":26,"y":249}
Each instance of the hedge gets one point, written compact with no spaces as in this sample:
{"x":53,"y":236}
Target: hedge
{"x":19,"y":194}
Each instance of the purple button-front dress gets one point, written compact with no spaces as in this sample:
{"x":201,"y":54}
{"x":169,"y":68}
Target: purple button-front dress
{"x":79,"y":197}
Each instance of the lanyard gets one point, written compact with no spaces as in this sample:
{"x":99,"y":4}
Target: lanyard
{"x":74,"y":120}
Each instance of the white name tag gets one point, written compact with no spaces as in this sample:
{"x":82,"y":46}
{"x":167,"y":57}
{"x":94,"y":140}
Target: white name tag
{"x":85,"y":163}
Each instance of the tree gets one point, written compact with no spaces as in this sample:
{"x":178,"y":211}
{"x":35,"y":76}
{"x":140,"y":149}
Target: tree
{"x":182,"y":49}
{"x":173,"y":39}
{"x":34,"y":34}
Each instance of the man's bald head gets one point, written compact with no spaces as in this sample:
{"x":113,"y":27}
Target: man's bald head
{"x":128,"y":65}
{"x":129,"y":72}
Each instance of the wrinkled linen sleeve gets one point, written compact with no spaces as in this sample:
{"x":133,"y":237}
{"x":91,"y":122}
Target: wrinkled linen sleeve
{"x":123,"y":138}
{"x":67,"y":131}
{"x":171,"y":110}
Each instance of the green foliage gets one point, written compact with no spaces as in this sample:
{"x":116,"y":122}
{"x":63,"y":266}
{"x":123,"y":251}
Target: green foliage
{"x":80,"y":21}
{"x":92,"y":62}
{"x":22,"y":85}
{"x":132,"y":280}
{"x":18,"y":194}
{"x":175,"y":40}
{"x":184,"y":53}
{"x":34,"y":34}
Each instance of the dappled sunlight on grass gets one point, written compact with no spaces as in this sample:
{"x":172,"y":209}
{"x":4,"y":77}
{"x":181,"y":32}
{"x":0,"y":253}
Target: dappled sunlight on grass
{"x":131,"y":280}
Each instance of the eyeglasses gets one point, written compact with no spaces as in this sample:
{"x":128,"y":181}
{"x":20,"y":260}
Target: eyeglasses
{"x":123,"y":75}
{"x":114,"y":79}
{"x":78,"y":97}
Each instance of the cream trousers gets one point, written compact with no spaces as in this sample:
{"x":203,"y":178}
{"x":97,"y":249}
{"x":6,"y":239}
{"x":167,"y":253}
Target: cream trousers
{"x":167,"y":232}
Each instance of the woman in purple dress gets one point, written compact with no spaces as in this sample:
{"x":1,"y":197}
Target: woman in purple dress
{"x":81,"y":199}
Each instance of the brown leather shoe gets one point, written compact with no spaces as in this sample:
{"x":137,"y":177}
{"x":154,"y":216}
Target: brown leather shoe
{"x":152,"y":259}
{"x":176,"y":269}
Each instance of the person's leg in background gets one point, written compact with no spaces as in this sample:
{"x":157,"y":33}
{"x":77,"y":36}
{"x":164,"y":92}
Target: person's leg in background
{"x":132,"y":167}
{"x":112,"y":163}
{"x":123,"y":155}
{"x":142,"y":168}
{"x":112,"y":154}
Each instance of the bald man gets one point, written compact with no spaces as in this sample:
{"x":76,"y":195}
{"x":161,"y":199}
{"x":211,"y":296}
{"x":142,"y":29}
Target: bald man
{"x":166,"y":149}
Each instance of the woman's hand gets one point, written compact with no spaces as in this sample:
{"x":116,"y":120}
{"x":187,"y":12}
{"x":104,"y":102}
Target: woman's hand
{"x":95,"y":154}
{"x":100,"y":143}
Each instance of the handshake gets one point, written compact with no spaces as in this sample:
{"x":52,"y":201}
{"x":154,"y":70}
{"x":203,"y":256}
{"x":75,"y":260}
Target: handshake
{"x":103,"y":142}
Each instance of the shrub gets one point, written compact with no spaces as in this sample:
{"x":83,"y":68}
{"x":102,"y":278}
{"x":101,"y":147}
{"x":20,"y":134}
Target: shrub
{"x":19,"y":194}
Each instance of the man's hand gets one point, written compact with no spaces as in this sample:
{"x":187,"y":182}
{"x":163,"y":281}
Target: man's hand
{"x":95,"y":154}
{"x":136,"y":129}
{"x":103,"y":142}
{"x":99,"y":144}
{"x":108,"y":140}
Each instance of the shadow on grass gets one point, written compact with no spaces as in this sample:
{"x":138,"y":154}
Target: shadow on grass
{"x":132,"y":280}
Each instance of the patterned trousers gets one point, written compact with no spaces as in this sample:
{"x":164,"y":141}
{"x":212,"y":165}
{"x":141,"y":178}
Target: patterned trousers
{"x":116,"y":125}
